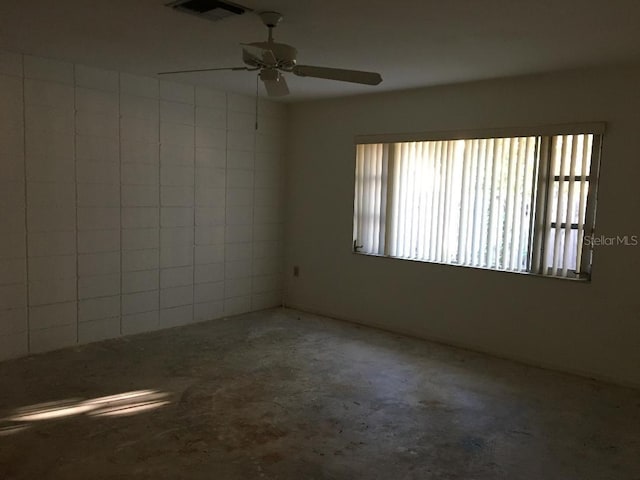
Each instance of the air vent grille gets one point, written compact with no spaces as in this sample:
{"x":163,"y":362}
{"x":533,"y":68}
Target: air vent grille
{"x":213,"y":10}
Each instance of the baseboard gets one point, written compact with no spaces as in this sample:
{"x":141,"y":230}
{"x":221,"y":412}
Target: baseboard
{"x":472,"y":348}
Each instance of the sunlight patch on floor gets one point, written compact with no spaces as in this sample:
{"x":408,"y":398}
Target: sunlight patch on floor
{"x":123,"y":404}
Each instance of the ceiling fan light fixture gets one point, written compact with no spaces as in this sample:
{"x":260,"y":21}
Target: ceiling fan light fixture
{"x":270,"y":74}
{"x":274,"y":82}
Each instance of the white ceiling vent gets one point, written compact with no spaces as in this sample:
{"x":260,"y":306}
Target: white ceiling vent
{"x":213,"y":10}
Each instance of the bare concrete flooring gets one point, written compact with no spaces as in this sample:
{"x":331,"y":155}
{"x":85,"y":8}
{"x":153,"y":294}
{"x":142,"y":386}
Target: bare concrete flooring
{"x":286,"y":395}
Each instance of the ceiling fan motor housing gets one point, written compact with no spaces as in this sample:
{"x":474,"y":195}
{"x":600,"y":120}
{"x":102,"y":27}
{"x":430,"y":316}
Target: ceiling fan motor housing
{"x":285,"y":55}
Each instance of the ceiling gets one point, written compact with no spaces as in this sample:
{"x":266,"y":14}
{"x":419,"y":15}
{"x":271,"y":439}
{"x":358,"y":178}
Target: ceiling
{"x":412,"y":43}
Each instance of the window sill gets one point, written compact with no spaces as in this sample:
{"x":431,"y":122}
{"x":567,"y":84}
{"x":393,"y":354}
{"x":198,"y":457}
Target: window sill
{"x":586,"y":279}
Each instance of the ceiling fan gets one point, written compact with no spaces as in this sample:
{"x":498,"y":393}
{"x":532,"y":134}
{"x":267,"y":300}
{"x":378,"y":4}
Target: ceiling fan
{"x":272,"y":59}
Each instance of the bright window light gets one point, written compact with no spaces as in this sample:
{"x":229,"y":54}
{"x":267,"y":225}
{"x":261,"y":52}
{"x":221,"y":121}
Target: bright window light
{"x":521,"y":203}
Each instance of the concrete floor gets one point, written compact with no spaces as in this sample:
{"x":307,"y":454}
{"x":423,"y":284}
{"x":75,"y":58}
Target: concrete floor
{"x":286,"y":395}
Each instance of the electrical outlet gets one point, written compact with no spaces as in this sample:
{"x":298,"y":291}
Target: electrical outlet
{"x":296,"y":271}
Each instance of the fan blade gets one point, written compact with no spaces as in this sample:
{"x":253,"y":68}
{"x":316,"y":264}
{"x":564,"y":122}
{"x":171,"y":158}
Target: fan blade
{"x":262,"y":55}
{"x":276,"y":85}
{"x":353,"y":76}
{"x":203,"y":70}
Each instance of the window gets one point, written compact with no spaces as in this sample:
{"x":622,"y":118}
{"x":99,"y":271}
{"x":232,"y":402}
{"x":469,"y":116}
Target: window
{"x":521,"y":203}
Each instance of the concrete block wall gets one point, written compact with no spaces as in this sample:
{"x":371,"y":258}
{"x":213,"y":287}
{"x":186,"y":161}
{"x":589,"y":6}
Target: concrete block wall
{"x":129,"y":204}
{"x":13,"y":249}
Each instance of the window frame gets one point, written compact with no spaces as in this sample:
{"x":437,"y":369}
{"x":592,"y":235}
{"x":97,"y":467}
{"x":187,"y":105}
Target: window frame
{"x":540,"y":180}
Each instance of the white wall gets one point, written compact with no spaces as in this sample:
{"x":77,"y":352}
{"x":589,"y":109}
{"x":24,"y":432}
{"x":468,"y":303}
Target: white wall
{"x":129,"y":204}
{"x":589,"y":328}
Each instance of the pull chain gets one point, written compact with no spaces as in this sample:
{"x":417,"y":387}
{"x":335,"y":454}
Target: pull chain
{"x":257,"y":91}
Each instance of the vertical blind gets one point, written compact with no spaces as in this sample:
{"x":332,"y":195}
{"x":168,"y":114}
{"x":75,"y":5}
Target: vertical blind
{"x":566,"y":204}
{"x":517,"y":204}
{"x":372,"y":163}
